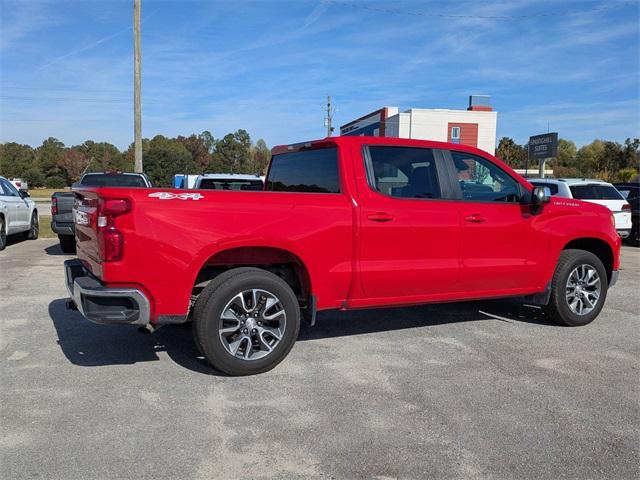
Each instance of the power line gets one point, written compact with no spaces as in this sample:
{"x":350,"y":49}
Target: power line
{"x":363,"y":6}
{"x":63,"y":99}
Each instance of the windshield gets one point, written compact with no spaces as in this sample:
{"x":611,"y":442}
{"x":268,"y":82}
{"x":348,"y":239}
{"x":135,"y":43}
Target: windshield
{"x":223,"y":184}
{"x":595,"y":191}
{"x":113,"y":180}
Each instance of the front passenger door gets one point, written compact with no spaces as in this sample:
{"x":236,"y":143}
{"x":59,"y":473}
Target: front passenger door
{"x":502,"y":249}
{"x":12,"y":199}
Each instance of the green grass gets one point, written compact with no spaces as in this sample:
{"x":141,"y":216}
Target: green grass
{"x":45,"y":227}
{"x":46,"y":192}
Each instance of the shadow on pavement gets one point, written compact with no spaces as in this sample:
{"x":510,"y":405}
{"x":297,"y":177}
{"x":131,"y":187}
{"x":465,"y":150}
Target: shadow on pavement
{"x":55,"y":250}
{"x":87,"y":344}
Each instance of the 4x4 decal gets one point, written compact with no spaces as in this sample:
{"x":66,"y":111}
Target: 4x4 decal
{"x":179,"y":196}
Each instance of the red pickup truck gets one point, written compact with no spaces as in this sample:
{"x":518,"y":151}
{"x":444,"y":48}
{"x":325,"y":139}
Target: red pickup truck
{"x":343,"y":223}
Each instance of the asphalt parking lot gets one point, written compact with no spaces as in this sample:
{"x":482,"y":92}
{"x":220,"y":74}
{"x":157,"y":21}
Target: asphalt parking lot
{"x":472,"y":390}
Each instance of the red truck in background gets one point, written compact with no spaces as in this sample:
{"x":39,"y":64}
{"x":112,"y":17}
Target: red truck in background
{"x":343,"y":223}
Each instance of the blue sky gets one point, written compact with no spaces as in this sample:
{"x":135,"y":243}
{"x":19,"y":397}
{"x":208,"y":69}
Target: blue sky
{"x":67,"y":67}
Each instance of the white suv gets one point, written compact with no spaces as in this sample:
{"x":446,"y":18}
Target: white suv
{"x":18,"y":213}
{"x":595,"y":191}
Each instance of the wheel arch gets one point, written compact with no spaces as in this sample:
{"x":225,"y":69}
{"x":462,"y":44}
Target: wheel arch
{"x":280,"y":261}
{"x":598,"y":247}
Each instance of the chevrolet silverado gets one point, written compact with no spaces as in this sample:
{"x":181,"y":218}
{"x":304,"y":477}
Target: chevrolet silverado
{"x":343,"y":223}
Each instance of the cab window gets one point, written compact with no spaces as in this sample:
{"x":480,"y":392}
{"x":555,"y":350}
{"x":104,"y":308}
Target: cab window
{"x":403,"y":172}
{"x":482,"y":181}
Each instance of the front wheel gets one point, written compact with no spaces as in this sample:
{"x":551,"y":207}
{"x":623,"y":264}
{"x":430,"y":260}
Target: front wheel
{"x":3,"y":234}
{"x":578,"y":289}
{"x":34,"y":228}
{"x":246,"y":321}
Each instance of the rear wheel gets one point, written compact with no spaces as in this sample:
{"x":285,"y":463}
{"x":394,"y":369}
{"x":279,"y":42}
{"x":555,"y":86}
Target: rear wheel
{"x":246,"y":321}
{"x":34,"y":228}
{"x":67,"y":243}
{"x":578,"y":289}
{"x":3,"y":234}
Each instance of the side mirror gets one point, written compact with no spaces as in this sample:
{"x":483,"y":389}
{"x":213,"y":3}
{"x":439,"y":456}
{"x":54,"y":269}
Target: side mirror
{"x":23,"y":194}
{"x":540,"y":195}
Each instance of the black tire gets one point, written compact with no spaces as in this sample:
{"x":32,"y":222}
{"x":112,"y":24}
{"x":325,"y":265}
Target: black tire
{"x":67,"y":243}
{"x":209,"y":308}
{"x":3,"y":234}
{"x":558,"y":308}
{"x":34,"y":228}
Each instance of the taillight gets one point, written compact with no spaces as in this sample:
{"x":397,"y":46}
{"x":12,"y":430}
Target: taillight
{"x":54,"y":206}
{"x":111,"y":243}
{"x":626,"y":207}
{"x":110,"y":239}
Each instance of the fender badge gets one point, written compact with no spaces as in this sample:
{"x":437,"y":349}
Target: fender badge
{"x":173,"y":196}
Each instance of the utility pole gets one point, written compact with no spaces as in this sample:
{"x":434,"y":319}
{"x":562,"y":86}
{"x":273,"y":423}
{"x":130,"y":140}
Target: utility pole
{"x":329,"y":119}
{"x":137,"y":106}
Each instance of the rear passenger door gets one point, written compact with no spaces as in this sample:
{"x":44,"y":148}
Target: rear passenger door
{"x":502,"y":248}
{"x":410,"y":234}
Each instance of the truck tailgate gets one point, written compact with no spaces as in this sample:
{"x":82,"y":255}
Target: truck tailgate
{"x":65,"y":202}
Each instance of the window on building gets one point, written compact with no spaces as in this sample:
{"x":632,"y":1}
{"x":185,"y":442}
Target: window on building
{"x":455,"y":134}
{"x":403,"y":172}
{"x":314,"y":171}
{"x":482,"y":181}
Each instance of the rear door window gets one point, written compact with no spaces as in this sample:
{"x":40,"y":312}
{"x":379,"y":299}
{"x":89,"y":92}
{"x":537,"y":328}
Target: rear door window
{"x":309,"y":171}
{"x":403,"y":172}
{"x":225,"y":184}
{"x":595,"y":191}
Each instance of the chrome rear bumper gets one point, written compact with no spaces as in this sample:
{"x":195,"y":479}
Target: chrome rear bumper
{"x":101,"y":304}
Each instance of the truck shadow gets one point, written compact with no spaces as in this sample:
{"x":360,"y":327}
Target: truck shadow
{"x":54,"y":250}
{"x":89,"y":345}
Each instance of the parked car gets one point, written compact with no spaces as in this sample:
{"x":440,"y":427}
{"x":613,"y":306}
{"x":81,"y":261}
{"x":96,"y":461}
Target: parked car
{"x":182,"y":180}
{"x":631,"y":192}
{"x":594,"y":191}
{"x":343,"y":223}
{"x":18,"y":213}
{"x":19,"y":183}
{"x":228,"y":181}
{"x":62,"y":202}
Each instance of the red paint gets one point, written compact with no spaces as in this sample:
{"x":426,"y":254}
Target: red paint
{"x":468,"y":133}
{"x":355,"y":249}
{"x":480,"y":108}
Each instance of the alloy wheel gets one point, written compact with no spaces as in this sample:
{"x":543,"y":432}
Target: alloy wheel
{"x":583,"y":289}
{"x":252,"y":324}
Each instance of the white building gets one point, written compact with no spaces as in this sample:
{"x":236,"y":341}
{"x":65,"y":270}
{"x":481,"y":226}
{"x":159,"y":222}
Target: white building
{"x":475,"y":126}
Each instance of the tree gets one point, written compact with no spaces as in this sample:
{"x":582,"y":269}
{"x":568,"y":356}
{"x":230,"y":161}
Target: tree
{"x":34,"y":178}
{"x":49,"y":155}
{"x":565,"y":163}
{"x":511,"y":153}
{"x":260,"y":155}
{"x":74,"y":163}
{"x":163,"y":158}
{"x":199,"y":149}
{"x":234,"y":152}
{"x":588,"y":158}
{"x":104,"y":156}
{"x":15,"y":159}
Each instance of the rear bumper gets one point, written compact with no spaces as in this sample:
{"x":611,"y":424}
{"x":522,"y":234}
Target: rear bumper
{"x":62,"y":228}
{"x":624,"y":233}
{"x":101,"y":304}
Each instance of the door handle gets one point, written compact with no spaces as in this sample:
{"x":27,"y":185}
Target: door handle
{"x":380,"y":217}
{"x":475,"y":218}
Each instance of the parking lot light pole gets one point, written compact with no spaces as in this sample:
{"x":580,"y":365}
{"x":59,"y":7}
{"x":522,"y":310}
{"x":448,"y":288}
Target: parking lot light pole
{"x":137,"y":107}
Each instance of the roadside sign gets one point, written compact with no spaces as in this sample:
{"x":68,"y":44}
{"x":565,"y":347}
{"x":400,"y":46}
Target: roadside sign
{"x":543,"y":146}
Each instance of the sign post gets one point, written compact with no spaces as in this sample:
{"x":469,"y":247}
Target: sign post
{"x":543,"y":147}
